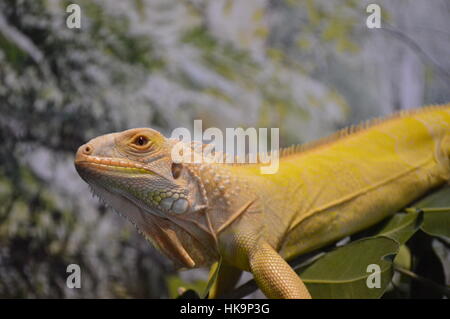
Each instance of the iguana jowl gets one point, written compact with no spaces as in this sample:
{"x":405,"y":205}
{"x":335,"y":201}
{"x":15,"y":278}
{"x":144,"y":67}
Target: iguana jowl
{"x":198,"y":213}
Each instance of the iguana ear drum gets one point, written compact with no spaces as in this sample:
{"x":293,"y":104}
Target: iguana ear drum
{"x":177,"y":168}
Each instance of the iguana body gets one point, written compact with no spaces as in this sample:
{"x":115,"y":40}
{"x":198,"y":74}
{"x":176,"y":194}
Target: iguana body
{"x":198,"y":213}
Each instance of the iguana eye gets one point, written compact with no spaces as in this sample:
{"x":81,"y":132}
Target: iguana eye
{"x":141,"y":141}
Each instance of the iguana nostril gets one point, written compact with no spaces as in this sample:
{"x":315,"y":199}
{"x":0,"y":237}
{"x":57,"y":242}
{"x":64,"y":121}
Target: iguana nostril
{"x":87,"y":150}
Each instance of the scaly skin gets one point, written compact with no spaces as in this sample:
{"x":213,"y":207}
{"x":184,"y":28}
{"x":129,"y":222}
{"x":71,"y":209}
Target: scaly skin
{"x":198,"y":213}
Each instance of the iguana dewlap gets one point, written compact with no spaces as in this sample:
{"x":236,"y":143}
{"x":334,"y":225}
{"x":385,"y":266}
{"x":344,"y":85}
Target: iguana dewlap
{"x":196,"y":213}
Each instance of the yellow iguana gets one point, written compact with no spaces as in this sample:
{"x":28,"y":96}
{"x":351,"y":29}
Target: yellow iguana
{"x":199,"y":213}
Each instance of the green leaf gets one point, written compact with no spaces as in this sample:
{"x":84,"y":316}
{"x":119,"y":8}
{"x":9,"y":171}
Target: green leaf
{"x":214,"y":272}
{"x":403,"y":258}
{"x":439,"y":198}
{"x":437,"y":223}
{"x":436,"y":208}
{"x":401,"y":226}
{"x":343,"y":273}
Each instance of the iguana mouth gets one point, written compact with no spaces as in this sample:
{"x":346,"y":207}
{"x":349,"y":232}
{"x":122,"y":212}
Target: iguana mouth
{"x":109,"y":163}
{"x":170,"y":201}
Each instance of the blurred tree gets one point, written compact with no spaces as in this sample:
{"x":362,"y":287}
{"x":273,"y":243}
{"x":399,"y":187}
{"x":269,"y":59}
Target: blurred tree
{"x":306,"y":67}
{"x":57,"y":88}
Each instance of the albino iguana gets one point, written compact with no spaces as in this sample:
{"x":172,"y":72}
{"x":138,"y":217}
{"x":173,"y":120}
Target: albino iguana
{"x":200,"y":213}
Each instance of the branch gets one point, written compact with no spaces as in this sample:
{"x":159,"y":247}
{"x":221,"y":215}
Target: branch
{"x":442,"y":289}
{"x":418,"y":49}
{"x":20,"y":40}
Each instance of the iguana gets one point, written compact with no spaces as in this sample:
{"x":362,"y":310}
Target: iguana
{"x":200,"y":213}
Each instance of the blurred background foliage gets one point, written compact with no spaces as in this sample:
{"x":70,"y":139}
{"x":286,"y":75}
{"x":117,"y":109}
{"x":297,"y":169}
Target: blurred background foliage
{"x":308,"y":67}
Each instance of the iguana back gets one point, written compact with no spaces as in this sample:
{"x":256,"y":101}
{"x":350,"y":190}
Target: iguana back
{"x":355,"y":178}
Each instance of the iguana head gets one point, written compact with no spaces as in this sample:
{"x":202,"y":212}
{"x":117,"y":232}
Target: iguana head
{"x":133,"y":172}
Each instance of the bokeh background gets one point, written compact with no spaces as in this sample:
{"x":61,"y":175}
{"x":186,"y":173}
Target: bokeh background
{"x":307,"y":67}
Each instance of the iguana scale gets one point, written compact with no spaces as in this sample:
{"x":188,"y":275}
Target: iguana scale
{"x":199,"y":213}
